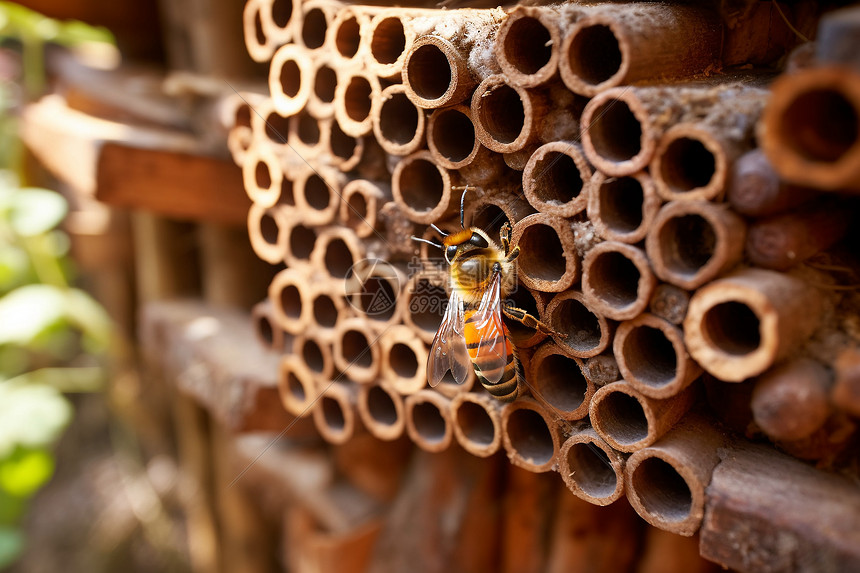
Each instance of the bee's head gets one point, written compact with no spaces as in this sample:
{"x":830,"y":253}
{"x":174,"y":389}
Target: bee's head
{"x":463,"y":241}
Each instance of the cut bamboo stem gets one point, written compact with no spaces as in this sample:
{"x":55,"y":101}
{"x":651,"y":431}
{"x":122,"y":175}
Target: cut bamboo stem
{"x":268,"y":333}
{"x":527,"y":45}
{"x":314,"y":348}
{"x":327,"y":308}
{"x":558,"y":382}
{"x":289,"y":295}
{"x":666,"y":482}
{"x":428,"y":420}
{"x":617,"y":280}
{"x":610,"y":45}
{"x":583,"y":331}
{"x":290,"y":78}
{"x":360,"y":205}
{"x":422,"y":304}
{"x":436,"y":74}
{"x":344,"y":151}
{"x":266,"y":232}
{"x":652,"y":357}
{"x":629,"y":421}
{"x":477,"y":423}
{"x":738,"y":326}
{"x":345,"y":32}
{"x":453,"y":144}
{"x":297,"y":386}
{"x":622,"y":208}
{"x":591,"y":469}
{"x":782,"y":241}
{"x":259,"y":45}
{"x":404,"y":359}
{"x":317,"y":16}
{"x":557,"y":179}
{"x":792,"y":400}
{"x":755,"y":189}
{"x":356,"y":351}
{"x":321,"y":98}
{"x":353,"y":100}
{"x":378,"y":284}
{"x":317,"y":195}
{"x":277,"y":20}
{"x":398,"y":124}
{"x":809,"y":129}
{"x":530,"y":435}
{"x":300,"y":242}
{"x":334,"y":414}
{"x":262,"y":176}
{"x":382,"y":411}
{"x":491,"y":211}
{"x":337,"y":250}
{"x":422,"y":189}
{"x":304,"y":135}
{"x":670,"y":303}
{"x":389,"y":40}
{"x":693,"y":242}
{"x":548,"y":261}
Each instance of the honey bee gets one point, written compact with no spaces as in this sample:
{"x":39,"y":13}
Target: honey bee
{"x":472,"y":332}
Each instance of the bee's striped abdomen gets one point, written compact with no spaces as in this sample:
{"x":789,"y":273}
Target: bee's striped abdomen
{"x":497,"y":358}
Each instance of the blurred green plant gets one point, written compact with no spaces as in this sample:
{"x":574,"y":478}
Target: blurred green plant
{"x":53,"y":336}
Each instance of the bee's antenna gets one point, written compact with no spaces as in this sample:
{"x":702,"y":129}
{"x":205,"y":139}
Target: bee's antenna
{"x":463,"y":202}
{"x":420,"y":240}
{"x":438,"y":230}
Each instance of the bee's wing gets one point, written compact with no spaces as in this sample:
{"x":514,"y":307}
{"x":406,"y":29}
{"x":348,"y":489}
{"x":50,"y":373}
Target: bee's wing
{"x":492,"y":355}
{"x":448,"y":349}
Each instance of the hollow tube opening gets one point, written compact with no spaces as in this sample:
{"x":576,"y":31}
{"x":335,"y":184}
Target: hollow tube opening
{"x":291,"y":301}
{"x":428,"y":72}
{"x":325,"y":311}
{"x":591,"y":469}
{"x":269,"y":229}
{"x":325,"y":83}
{"x":356,"y":349}
{"x":821,"y":125}
{"x":544,"y":254}
{"x":579,"y":323}
{"x":302,"y":240}
{"x":295,"y":387}
{"x":687,"y":164}
{"x":623,"y":418}
{"x":277,"y":127}
{"x":317,"y":192}
{"x":615,"y":132}
{"x":290,"y":78}
{"x":308,"y":130}
{"x":614,"y":278}
{"x":687,"y":244}
{"x":527,"y":45}
{"x":338,"y":259}
{"x":342,"y":145}
{"x":453,"y":134}
{"x":732,"y":327}
{"x":530,"y":436}
{"x":348,"y":37}
{"x":502,"y":113}
{"x":522,"y":298}
{"x":429,"y":422}
{"x":475,"y":423}
{"x":288,"y":195}
{"x":650,"y":356}
{"x":388,"y":41}
{"x":282,"y":12}
{"x":262,"y":176}
{"x":398,"y":119}
{"x":561,"y":383}
{"x":594,"y":54}
{"x":421,"y":185}
{"x":490,"y":218}
{"x":312,"y":355}
{"x":314,"y":28}
{"x":381,"y":406}
{"x":259,"y":34}
{"x":378,"y":299}
{"x":662,"y":490}
{"x":403,"y":360}
{"x":621,"y":203}
{"x":265,"y":330}
{"x":357,"y":98}
{"x":333,"y":414}
{"x":557,"y":178}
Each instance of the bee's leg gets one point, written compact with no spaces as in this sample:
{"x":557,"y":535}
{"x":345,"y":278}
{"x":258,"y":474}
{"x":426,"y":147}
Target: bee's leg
{"x":513,"y":254}
{"x":524,"y":317}
{"x":505,"y":237}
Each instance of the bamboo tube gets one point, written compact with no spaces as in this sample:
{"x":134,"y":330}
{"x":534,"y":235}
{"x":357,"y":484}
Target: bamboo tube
{"x":629,"y":421}
{"x":239,"y":141}
{"x":428,"y":420}
{"x":356,"y":352}
{"x":453,"y":144}
{"x":422,"y":189}
{"x":617,"y":280}
{"x":667,"y":552}
{"x":694,"y":158}
{"x":670,"y":303}
{"x":262,"y":176}
{"x":692,"y":242}
{"x":622,"y":208}
{"x":300,"y":242}
{"x":610,"y":45}
{"x":343,"y":151}
{"x":601,"y":369}
{"x":313,"y":347}
{"x":809,"y":130}
{"x":317,"y":195}
{"x":327,"y":307}
{"x":792,"y":400}
{"x":403,"y":360}
{"x":389,"y":40}
{"x":277,"y":20}
{"x":268,"y":333}
{"x":435,"y":73}
{"x":290,"y":75}
{"x":260,"y":46}
{"x":288,"y":293}
{"x":527,"y":45}
{"x":591,"y":469}
{"x":353,"y":99}
{"x":266,"y":231}
{"x":477,"y":423}
{"x":317,"y":16}
{"x":548,"y":258}
{"x":321,"y":97}
{"x":557,"y":179}
{"x":490,"y":211}
{"x":296,"y":386}
{"x":398,"y":124}
{"x":382,"y":411}
{"x":344,"y":34}
{"x":377,"y":284}
{"x":738,"y":326}
{"x":621,"y":126}
{"x":754,"y":188}
{"x":666,"y":482}
{"x":337,"y":251}
{"x":422,"y":304}
{"x":557,"y":381}
{"x":846,"y":390}
{"x":652,"y":357}
{"x":304,"y":135}
{"x":334,"y":416}
{"x":782,"y":241}
{"x":584,"y":332}
{"x":530,"y":435}
{"x":360,"y":205}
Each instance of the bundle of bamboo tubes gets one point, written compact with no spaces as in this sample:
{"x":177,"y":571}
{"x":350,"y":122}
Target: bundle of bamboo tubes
{"x":691,"y":276}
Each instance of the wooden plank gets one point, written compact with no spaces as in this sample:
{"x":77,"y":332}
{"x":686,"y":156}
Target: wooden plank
{"x":170,"y":183}
{"x":769,"y":513}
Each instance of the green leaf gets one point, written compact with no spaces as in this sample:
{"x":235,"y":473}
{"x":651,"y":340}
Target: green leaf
{"x":66,"y":380}
{"x":36,"y":211}
{"x":29,"y":311}
{"x":11,"y":545}
{"x":91,"y":318}
{"x":31,"y":416}
{"x":14,"y":267}
{"x":25,"y":471}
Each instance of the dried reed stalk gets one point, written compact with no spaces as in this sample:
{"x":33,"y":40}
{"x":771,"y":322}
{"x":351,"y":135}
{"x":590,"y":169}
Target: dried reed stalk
{"x":738,"y":326}
{"x":277,"y":20}
{"x":317,"y":16}
{"x":344,"y":151}
{"x":260,"y":46}
{"x":692,"y":242}
{"x":344,"y":36}
{"x":288,"y":292}
{"x":792,"y":400}
{"x":453,"y":144}
{"x":423,"y":190}
{"x":530,"y":435}
{"x":652,"y":357}
{"x":390,"y":37}
{"x":300,"y":241}
{"x":617,"y":280}
{"x":404,"y":359}
{"x":314,"y":347}
{"x":317,"y":194}
{"x":527,"y":45}
{"x":557,"y":381}
{"x":557,"y":179}
{"x":267,"y":332}
{"x":360,"y":203}
{"x":266,"y":230}
{"x":382,"y":411}
{"x":666,"y":481}
{"x":321,"y":98}
{"x":262,"y":176}
{"x":591,"y":469}
{"x":304,"y":135}
{"x":356,"y":352}
{"x":629,"y":421}
{"x":398,"y":124}
{"x":297,"y":386}
{"x":428,"y":420}
{"x":336,"y":252}
{"x":353,"y":99}
{"x":334,"y":414}
{"x":548,"y":261}
{"x":290,"y":74}
{"x":477,"y":423}
{"x":584,"y":332}
{"x":622,"y":208}
{"x":755,"y":189}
